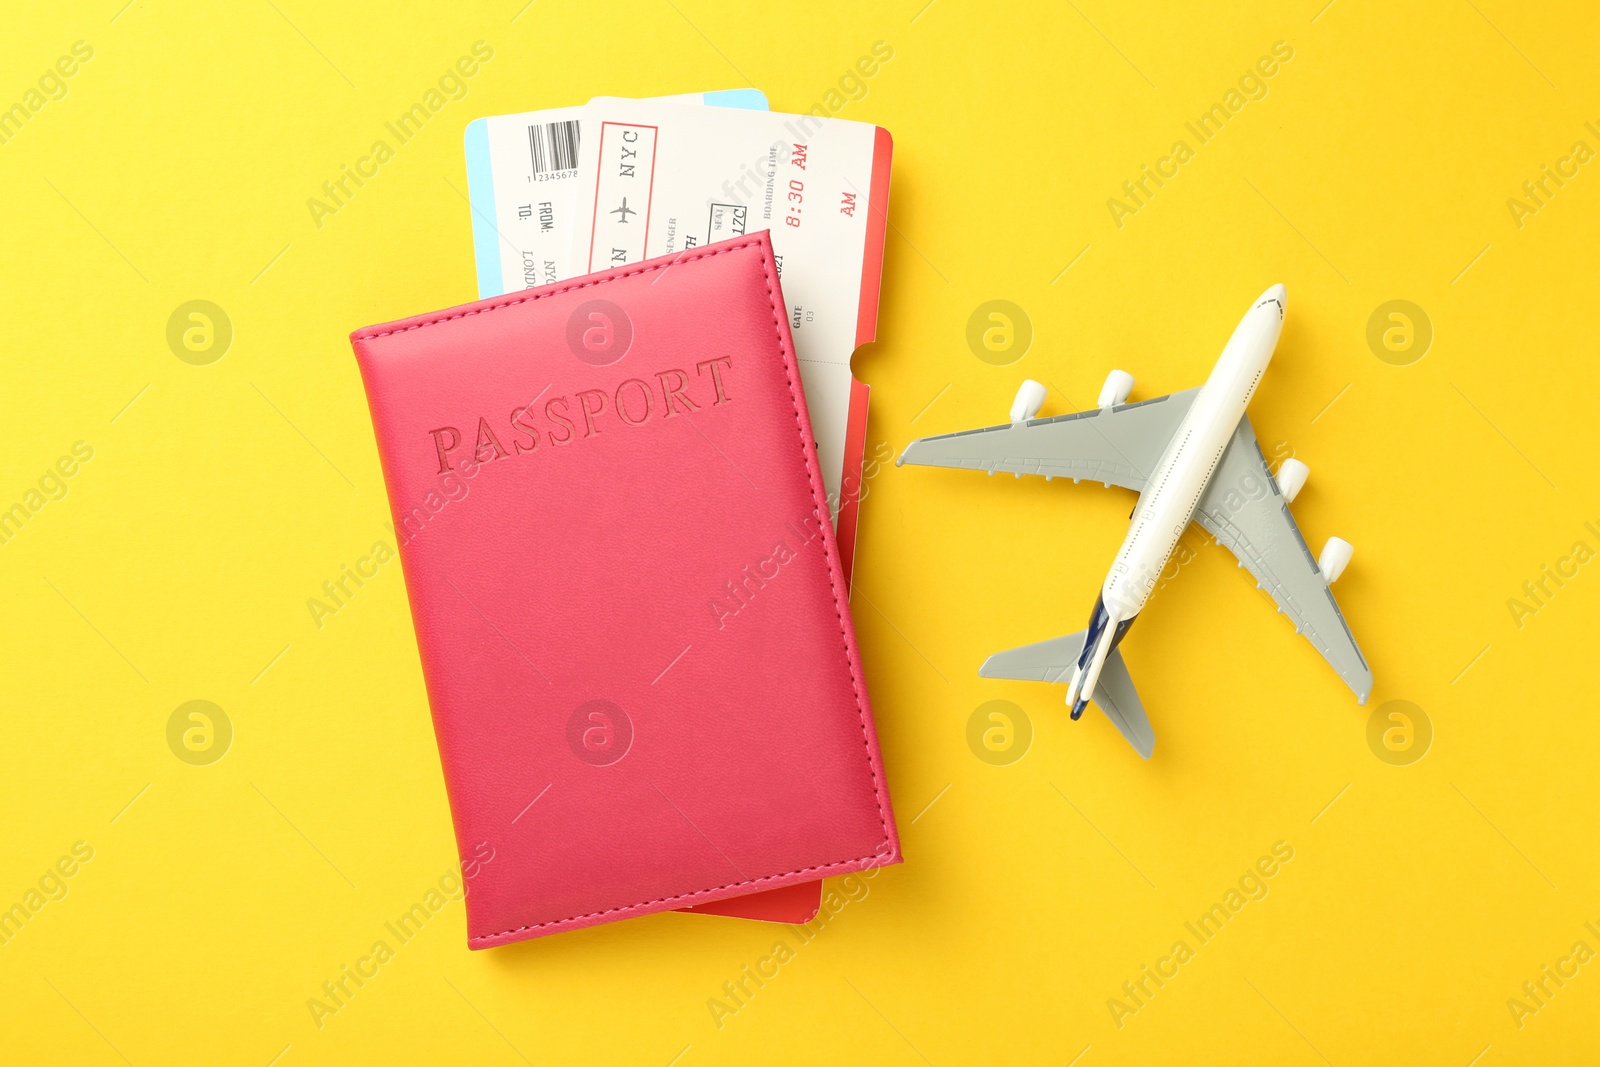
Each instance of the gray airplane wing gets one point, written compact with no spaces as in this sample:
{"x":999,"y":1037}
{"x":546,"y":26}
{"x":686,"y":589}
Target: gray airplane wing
{"x":1117,"y":446}
{"x":1052,"y":661}
{"x":1243,"y":509}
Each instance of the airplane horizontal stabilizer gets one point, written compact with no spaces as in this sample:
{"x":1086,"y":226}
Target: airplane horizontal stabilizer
{"x":1053,"y":660}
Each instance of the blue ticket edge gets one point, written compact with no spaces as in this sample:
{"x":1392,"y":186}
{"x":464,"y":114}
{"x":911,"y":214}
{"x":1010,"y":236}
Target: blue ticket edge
{"x":480,"y":185}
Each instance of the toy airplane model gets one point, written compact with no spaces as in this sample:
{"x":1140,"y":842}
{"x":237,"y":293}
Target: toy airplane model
{"x":1191,"y":456}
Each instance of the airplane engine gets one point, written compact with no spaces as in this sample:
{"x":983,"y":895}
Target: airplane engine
{"x":1292,"y":475}
{"x":1030,"y":398}
{"x":1335,"y":558}
{"x":1119,"y":383}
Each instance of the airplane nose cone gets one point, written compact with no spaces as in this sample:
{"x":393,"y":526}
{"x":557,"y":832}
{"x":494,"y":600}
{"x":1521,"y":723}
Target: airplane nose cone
{"x":1276,"y":295}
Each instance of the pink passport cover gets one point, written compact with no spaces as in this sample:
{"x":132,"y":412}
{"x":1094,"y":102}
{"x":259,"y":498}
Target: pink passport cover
{"x":627,"y":595}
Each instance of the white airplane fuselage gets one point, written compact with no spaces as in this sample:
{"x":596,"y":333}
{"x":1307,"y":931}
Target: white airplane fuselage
{"x":1173,"y":491}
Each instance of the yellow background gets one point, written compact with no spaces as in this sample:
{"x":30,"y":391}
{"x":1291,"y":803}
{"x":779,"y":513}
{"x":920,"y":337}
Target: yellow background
{"x":221,"y":497}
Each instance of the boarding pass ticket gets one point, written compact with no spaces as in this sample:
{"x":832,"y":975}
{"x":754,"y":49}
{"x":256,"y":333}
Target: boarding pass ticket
{"x":522,"y":181}
{"x":659,"y":176}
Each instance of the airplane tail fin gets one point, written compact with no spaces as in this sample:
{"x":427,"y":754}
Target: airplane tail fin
{"x":1054,"y":660}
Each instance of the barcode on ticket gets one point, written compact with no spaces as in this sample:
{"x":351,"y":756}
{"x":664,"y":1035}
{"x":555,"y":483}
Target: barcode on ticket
{"x":554,"y":147}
